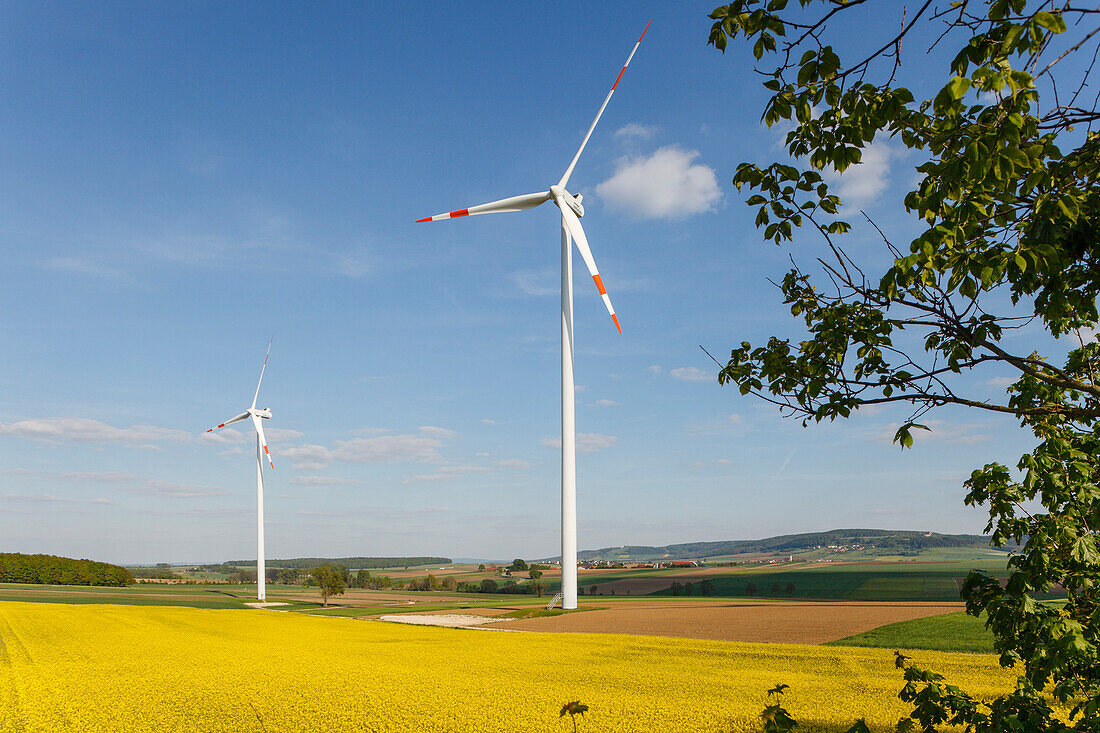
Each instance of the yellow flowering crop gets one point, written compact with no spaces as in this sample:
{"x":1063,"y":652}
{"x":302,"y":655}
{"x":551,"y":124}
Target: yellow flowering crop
{"x":128,"y":668}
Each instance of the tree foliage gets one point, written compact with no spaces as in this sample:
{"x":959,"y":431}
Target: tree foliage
{"x":1006,"y":211}
{"x":332,"y":580}
{"x":53,"y":570}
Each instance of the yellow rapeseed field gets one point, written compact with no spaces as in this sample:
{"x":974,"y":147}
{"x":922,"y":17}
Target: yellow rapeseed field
{"x":126,"y":668}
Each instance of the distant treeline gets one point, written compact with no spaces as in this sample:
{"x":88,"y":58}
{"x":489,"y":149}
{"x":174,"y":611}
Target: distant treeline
{"x":53,"y":570}
{"x":153,"y":573}
{"x":900,"y":540}
{"x":349,"y":562}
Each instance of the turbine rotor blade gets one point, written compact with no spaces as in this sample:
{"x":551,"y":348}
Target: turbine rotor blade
{"x":573,"y":224}
{"x":257,"y":395}
{"x":569,"y":171}
{"x":263,"y":439}
{"x":513,"y":203}
{"x":238,"y":418}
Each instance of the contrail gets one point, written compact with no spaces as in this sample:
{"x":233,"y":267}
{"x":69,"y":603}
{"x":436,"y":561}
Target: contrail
{"x":786,"y":462}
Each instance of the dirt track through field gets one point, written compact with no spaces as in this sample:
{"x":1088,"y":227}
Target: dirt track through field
{"x":785,"y":623}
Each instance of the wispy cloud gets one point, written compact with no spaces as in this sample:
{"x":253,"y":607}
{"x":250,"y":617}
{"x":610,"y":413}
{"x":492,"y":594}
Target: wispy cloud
{"x":114,"y":477}
{"x":636,"y":131}
{"x":226,"y":436}
{"x":939,"y":430}
{"x":586,"y":442}
{"x":606,"y":403}
{"x":82,"y":266}
{"x":84,"y":430}
{"x":172,"y":490}
{"x":320,"y":481}
{"x":514,"y":463}
{"x":435,"y":432}
{"x":664,"y":185}
{"x":691,"y":374}
{"x":51,"y":499}
{"x":422,"y":447}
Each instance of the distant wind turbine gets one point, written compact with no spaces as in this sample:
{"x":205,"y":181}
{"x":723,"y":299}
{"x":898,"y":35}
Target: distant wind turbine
{"x":571,"y":212}
{"x":261,"y":445}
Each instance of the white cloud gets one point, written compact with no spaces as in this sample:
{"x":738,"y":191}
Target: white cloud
{"x":81,"y":266}
{"x":421,"y":448}
{"x":46,"y":498}
{"x":735,"y":419}
{"x":319,"y":481}
{"x":367,"y":432}
{"x":105,"y":476}
{"x":437,"y":432}
{"x":277,"y":435}
{"x":225,"y":436}
{"x":939,"y":430}
{"x":387,"y":449}
{"x":174,"y":490}
{"x":586,"y":442}
{"x":724,"y":462}
{"x":635,"y":131}
{"x":654,"y":369}
{"x":84,"y":430}
{"x":447,"y":472}
{"x":691,"y":374}
{"x":606,"y":403}
{"x":664,"y":185}
{"x":487,"y":421}
{"x":516,"y":463}
{"x":864,"y":182}
{"x":309,"y":457}
{"x":1001,"y":381}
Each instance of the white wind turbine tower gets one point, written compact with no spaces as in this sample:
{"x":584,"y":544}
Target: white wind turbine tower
{"x":571,"y":211}
{"x":261,"y":444}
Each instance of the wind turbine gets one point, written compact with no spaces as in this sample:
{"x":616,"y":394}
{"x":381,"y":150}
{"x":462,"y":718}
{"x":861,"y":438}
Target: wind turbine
{"x":261,"y":443}
{"x":571,"y":211}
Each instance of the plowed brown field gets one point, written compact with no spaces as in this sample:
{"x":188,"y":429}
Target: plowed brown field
{"x":781,"y":622}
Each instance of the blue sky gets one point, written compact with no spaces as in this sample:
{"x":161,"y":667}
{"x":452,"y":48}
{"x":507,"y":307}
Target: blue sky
{"x":179,"y":182}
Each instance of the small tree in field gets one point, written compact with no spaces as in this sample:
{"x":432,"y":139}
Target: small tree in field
{"x":536,"y":583}
{"x":331,"y":581}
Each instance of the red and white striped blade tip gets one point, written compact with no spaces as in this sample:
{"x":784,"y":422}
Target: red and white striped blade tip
{"x":448,"y":215}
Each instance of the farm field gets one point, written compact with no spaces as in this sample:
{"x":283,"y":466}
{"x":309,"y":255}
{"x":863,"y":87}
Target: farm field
{"x":774,"y":622}
{"x":220,"y":596}
{"x":950,"y":632}
{"x":89,"y":667}
{"x":864,"y":581}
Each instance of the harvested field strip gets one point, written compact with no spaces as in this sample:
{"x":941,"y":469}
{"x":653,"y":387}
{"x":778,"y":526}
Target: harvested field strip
{"x":766,"y":621}
{"x":153,"y":669}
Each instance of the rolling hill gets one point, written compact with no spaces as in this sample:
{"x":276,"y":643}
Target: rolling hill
{"x":875,"y":541}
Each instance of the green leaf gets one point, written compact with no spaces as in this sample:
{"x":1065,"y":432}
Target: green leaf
{"x":1053,"y":22}
{"x":958,"y":86}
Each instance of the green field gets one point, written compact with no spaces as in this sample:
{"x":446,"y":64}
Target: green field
{"x":193,"y":596}
{"x":906,"y":580}
{"x":236,"y":596}
{"x":953,"y":632}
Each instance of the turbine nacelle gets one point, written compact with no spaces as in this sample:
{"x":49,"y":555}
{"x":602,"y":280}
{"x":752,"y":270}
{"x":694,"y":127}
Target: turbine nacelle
{"x":264,"y":413}
{"x":574,"y":202}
